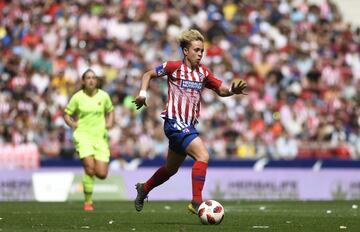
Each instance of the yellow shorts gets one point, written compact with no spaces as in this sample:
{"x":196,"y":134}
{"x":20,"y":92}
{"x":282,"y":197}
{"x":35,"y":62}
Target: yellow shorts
{"x":99,"y":148}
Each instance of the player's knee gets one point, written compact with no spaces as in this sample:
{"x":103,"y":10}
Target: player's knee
{"x":173,"y":171}
{"x":203,"y":158}
{"x":90,"y":171}
{"x":101,"y":175}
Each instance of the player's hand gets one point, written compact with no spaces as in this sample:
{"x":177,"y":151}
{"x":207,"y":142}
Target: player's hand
{"x":239,"y":87}
{"x":139,"y":102}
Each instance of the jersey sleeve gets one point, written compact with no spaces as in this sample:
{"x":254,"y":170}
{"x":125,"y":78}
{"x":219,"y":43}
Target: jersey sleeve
{"x":108,"y":104}
{"x":211,"y":81}
{"x":72,"y":105}
{"x":167,"y":68}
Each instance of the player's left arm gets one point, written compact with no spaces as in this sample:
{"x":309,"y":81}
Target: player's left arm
{"x":237,"y":87}
{"x":110,"y":117}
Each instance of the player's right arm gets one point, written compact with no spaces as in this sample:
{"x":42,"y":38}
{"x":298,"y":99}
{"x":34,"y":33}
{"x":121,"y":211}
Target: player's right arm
{"x":70,"y":121}
{"x":140,"y":100}
{"x":69,"y":110}
{"x":160,"y":71}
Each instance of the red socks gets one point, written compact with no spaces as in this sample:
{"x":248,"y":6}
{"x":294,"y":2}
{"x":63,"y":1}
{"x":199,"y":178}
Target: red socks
{"x":159,"y":177}
{"x":198,"y":179}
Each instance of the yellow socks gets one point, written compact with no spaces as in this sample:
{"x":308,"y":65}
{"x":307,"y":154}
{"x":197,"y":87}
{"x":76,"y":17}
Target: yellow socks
{"x":88,"y":185}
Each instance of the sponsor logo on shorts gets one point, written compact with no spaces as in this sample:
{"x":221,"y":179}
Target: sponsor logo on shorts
{"x":186,"y":130}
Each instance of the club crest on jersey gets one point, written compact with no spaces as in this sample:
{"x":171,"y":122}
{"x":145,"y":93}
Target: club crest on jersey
{"x":201,"y":76}
{"x":191,"y":84}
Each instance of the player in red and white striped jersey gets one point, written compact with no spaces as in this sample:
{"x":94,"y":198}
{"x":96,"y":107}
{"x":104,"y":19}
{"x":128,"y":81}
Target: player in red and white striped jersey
{"x":186,"y":80}
{"x":184,"y":90}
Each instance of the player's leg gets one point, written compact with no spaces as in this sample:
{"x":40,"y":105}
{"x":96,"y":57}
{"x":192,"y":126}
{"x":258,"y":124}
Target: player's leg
{"x":173,"y":162}
{"x":198,"y":151}
{"x":86,"y":154}
{"x":102,"y":157}
{"x":101,"y":169}
{"x":88,"y":181}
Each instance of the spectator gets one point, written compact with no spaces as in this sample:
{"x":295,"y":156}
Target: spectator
{"x":302,"y":63}
{"x":286,"y":147}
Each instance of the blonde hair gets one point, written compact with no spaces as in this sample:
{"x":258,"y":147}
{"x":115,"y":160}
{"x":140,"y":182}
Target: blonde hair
{"x":188,"y":36}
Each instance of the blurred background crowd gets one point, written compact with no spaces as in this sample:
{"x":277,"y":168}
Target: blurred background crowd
{"x":301,"y":62}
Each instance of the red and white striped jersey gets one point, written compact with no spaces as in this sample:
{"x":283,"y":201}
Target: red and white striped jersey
{"x":184,"y":90}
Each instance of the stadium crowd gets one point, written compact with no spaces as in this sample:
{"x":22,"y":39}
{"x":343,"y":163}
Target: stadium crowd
{"x":301,"y":62}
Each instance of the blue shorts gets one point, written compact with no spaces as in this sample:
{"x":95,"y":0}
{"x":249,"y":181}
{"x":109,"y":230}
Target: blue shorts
{"x":179,"y":134}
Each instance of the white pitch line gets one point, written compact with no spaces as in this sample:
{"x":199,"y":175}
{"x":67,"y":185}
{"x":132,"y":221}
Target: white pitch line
{"x":260,"y":227}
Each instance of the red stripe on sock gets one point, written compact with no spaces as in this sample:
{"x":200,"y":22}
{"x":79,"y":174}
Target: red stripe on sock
{"x":198,"y":175}
{"x":159,"y":177}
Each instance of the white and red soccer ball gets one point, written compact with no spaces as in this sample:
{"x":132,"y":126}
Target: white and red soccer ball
{"x":211,"y":212}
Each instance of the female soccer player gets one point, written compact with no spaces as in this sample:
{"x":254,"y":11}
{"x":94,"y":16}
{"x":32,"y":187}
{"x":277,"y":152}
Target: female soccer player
{"x":94,"y":112}
{"x":185,"y":80}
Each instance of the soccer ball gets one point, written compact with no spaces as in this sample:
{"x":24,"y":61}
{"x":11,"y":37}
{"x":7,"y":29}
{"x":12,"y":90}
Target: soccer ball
{"x":211,"y":212}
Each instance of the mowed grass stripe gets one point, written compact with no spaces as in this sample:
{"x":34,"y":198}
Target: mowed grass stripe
{"x":172,"y":216}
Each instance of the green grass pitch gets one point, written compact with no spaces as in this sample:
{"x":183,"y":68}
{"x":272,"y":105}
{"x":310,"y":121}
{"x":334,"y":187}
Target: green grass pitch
{"x":171,"y":216}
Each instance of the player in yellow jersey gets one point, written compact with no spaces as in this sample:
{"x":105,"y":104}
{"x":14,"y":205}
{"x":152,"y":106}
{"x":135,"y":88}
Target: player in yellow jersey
{"x":94,"y":115}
